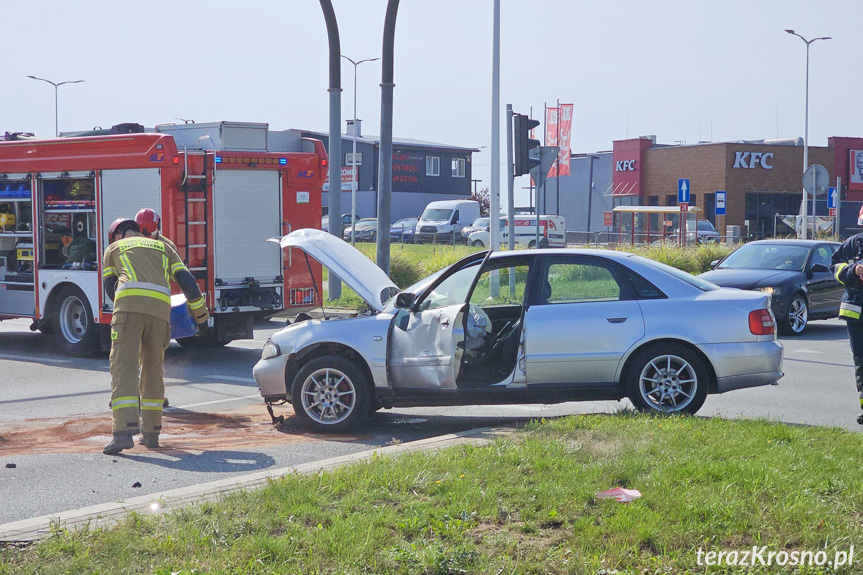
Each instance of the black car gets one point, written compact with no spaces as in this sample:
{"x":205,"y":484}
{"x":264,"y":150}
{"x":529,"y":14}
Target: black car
{"x":795,"y":272}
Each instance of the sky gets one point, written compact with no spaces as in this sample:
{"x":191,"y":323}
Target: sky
{"x":683,"y":70}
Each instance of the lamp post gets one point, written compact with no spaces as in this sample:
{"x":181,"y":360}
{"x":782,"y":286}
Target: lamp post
{"x":56,"y":85}
{"x":806,"y":130}
{"x":353,"y":155}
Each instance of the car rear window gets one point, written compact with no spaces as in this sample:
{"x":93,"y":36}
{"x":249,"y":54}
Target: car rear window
{"x":679,"y":274}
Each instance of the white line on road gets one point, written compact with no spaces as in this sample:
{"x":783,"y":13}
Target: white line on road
{"x":33,"y":359}
{"x":231,"y":378}
{"x":216,"y":401}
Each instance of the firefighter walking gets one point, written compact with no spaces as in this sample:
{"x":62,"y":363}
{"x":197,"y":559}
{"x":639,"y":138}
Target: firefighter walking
{"x":847,"y":266}
{"x":136,"y":276}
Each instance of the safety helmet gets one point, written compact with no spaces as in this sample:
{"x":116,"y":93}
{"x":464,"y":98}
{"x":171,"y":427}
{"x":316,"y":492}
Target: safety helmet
{"x":149,"y":221}
{"x":121,"y":225}
{"x":860,"y":218}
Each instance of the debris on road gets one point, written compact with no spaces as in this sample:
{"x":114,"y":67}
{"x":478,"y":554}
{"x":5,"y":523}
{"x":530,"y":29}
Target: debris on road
{"x":619,"y":494}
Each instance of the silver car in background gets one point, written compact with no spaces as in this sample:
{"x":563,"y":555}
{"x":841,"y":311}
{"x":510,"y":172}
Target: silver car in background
{"x":529,"y":326}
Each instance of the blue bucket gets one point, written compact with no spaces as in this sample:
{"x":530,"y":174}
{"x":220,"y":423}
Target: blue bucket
{"x":182,"y":322}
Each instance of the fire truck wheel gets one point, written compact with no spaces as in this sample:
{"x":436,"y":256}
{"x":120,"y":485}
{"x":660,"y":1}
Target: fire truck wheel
{"x":72,"y":324}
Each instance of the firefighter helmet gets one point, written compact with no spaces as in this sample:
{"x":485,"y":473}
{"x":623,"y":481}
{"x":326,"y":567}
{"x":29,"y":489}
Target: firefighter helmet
{"x":149,"y":221}
{"x":121,"y":226}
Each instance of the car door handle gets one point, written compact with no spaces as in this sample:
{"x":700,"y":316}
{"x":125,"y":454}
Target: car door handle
{"x":445,"y":322}
{"x":616,"y":319}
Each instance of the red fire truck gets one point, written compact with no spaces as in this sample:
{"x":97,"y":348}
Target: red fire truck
{"x":222,"y":189}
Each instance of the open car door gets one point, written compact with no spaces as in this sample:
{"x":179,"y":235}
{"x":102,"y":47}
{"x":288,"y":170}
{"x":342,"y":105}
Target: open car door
{"x":426,"y":341}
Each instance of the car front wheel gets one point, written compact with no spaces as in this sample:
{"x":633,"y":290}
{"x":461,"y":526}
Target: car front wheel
{"x":477,"y":244}
{"x":797,"y":317}
{"x":330,"y":395}
{"x":667,"y":379}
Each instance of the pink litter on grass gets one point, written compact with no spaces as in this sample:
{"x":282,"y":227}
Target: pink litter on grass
{"x":619,"y":494}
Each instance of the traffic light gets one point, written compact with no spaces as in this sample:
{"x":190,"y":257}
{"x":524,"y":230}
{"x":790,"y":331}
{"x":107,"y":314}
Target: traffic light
{"x":523,"y":144}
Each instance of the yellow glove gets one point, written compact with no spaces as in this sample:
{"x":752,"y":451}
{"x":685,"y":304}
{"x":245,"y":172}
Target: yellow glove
{"x":199,"y":310}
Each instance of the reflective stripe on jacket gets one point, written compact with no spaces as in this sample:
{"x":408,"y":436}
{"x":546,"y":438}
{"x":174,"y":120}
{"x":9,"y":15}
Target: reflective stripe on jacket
{"x":844,"y":261}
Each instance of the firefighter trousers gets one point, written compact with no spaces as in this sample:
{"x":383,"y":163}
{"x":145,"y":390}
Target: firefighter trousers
{"x":138,"y":340}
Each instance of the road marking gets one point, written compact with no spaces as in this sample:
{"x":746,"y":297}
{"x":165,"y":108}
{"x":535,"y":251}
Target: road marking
{"x":231,"y":378}
{"x":804,"y":350}
{"x":215,"y":401}
{"x":33,"y":359}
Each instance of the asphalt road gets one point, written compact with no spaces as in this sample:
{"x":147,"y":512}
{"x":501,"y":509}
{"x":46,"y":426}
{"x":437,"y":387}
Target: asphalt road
{"x":54,"y":418}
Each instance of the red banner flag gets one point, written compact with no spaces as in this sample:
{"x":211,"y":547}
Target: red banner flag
{"x":565,"y":122}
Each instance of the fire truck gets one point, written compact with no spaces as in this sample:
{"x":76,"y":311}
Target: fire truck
{"x":223,"y":189}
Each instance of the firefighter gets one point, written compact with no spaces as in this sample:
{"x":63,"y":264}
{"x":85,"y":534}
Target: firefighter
{"x":848,"y":268}
{"x":136,"y":275}
{"x":151,"y":226}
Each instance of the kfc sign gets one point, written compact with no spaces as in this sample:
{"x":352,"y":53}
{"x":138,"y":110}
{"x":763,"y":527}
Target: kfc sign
{"x":752,"y":159}
{"x":624,"y":166}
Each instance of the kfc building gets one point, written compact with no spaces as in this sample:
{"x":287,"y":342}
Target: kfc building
{"x":762,"y":179}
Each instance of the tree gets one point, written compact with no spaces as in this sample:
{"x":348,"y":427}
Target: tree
{"x":484,"y":198}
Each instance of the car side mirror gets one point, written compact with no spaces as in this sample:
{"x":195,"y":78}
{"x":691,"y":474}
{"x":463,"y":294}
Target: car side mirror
{"x":819,"y":268}
{"x":405,"y":300}
{"x":713,"y":264}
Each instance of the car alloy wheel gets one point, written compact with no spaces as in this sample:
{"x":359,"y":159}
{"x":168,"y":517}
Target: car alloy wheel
{"x":667,"y":378}
{"x":668,"y":383}
{"x":330,"y":394}
{"x":798,"y":315}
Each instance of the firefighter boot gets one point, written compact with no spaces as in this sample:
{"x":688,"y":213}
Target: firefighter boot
{"x":120,"y":442}
{"x":149,"y":440}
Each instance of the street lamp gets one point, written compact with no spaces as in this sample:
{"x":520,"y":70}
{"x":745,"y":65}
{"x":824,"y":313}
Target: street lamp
{"x":806,"y":130}
{"x":56,"y":85}
{"x":353,"y":155}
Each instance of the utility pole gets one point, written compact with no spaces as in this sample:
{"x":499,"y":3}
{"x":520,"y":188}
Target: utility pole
{"x":385,"y":162}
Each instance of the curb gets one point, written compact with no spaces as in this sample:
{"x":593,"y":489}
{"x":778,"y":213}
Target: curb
{"x":107,"y":514}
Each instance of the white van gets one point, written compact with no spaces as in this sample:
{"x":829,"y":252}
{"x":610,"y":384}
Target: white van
{"x":552,"y":232}
{"x":440,"y":220}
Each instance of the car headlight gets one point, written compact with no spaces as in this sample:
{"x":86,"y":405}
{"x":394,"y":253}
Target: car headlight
{"x":771,"y":290}
{"x":270,"y":351}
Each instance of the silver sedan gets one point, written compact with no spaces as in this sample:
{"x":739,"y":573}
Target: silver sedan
{"x":530,"y":326}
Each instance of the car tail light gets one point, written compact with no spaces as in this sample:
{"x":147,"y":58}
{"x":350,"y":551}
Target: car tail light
{"x":761,"y":322}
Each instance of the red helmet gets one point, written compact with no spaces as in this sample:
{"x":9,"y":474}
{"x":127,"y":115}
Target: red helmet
{"x":121,"y":225}
{"x":149,"y":221}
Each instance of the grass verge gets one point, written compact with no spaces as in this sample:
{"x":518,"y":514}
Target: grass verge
{"x":522,"y":505}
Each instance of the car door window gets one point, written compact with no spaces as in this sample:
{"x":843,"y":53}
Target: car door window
{"x":511,"y":282}
{"x":452,"y":290}
{"x":578,"y":281}
{"x":822,"y":255}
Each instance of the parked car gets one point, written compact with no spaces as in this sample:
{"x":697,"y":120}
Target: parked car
{"x":571,"y":325}
{"x":366,"y":230}
{"x":345,"y":219}
{"x":479,"y":224}
{"x":698,"y":231}
{"x":796,"y":273}
{"x":403,"y":230}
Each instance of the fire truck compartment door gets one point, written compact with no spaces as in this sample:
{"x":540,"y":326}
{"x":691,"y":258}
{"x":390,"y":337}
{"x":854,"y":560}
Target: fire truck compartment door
{"x":247,"y":212}
{"x":124,"y":192}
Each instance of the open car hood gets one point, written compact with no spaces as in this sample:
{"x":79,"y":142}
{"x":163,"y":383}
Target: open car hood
{"x":348,"y":263}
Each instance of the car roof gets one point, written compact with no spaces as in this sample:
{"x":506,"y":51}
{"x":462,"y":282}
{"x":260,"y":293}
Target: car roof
{"x":793,"y":242}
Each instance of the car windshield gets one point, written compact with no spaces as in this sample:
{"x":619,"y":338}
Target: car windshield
{"x":406,"y":222}
{"x":480,"y":223}
{"x":414,"y":289}
{"x":767,"y":257}
{"x":679,"y":274}
{"x":434,"y":215}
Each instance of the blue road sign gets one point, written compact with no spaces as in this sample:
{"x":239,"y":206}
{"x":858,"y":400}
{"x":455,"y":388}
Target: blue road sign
{"x":683,"y":191}
{"x":720,"y":202}
{"x":832,"y":198}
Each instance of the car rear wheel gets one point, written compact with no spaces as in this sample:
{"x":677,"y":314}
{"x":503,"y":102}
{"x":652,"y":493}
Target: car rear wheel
{"x":330,"y":395}
{"x":477,"y":244}
{"x":667,"y":379}
{"x":797,"y":317}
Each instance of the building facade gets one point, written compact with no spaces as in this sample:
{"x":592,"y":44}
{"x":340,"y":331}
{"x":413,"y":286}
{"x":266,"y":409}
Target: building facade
{"x":423,"y":172}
